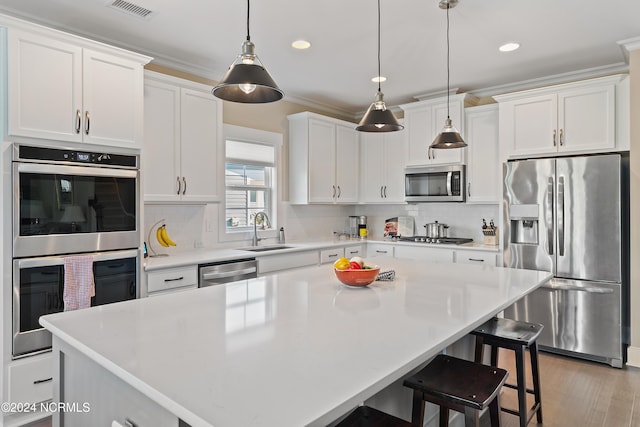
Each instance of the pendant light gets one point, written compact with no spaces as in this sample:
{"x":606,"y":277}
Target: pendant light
{"x":378,"y":118}
{"x":247,"y":80}
{"x":449,"y":137}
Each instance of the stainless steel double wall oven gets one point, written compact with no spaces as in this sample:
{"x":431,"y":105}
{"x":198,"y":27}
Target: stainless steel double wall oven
{"x":70,"y":202}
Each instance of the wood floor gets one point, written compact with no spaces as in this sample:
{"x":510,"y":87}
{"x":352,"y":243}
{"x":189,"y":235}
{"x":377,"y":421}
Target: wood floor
{"x":577,"y":393}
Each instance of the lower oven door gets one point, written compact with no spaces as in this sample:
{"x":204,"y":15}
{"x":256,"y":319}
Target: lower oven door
{"x":38,"y":289}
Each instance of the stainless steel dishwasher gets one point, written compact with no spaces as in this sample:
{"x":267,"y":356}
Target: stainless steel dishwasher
{"x":217,"y":273}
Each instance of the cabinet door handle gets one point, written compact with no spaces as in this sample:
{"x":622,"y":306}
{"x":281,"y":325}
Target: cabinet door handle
{"x":174,"y":280}
{"x":354,"y":252}
{"x":87,"y":118}
{"x":184,"y":181}
{"x":469,"y":189}
{"x":339,"y":191}
{"x":475,"y":259}
{"x":78,"y":120}
{"x":334,"y":192}
{"x":332,"y":255}
{"x":385,"y":191}
{"x":381,"y":252}
{"x":429,"y":153}
{"x":554,"y":137}
{"x":381,"y":193}
{"x":561,"y":138}
{"x":179,"y":185}
{"x":46,"y":380}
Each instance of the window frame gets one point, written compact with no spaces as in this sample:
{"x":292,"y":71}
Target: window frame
{"x":254,"y":136}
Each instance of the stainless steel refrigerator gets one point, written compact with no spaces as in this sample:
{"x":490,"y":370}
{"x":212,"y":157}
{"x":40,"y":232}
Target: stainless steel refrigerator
{"x":569,"y":215}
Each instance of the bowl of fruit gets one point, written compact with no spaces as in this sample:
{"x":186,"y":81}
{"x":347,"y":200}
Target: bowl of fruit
{"x":355,"y":272}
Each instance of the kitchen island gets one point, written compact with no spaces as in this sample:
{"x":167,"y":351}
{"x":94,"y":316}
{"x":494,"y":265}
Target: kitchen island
{"x":294,"y":348}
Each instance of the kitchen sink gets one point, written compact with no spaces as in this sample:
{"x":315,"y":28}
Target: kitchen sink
{"x":265,"y":248}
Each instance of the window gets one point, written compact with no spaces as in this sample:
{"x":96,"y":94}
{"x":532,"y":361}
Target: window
{"x":250,"y":180}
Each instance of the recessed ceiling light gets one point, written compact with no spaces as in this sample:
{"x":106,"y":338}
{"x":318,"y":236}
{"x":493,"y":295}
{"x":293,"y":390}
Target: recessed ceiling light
{"x":509,"y":47}
{"x":379,"y":79}
{"x":301,"y":44}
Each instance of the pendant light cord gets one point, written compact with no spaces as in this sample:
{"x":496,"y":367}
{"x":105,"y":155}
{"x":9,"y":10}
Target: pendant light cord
{"x":248,"y":36}
{"x":448,"y":90}
{"x":379,"y":78}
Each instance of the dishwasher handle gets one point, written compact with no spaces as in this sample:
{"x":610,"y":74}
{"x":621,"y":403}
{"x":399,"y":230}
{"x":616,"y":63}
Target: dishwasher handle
{"x":224,"y":274}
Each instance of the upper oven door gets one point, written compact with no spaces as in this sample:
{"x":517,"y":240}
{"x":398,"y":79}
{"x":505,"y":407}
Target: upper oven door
{"x":61,"y":209}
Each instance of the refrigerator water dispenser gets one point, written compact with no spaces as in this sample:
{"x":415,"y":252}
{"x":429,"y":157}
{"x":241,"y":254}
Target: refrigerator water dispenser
{"x":524,"y":224}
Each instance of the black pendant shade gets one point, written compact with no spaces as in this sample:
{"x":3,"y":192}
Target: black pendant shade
{"x":247,"y":80}
{"x":378,"y":118}
{"x":449,"y":137}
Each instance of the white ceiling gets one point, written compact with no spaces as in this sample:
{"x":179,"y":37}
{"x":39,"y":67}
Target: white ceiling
{"x":204,"y":36}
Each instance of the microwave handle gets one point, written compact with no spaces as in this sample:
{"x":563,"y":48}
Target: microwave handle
{"x":449,"y":182}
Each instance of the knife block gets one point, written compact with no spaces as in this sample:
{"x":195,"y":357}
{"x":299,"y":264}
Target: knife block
{"x":491,"y":237}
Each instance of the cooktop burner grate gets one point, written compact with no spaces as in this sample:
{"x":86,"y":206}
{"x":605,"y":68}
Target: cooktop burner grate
{"x":440,"y":240}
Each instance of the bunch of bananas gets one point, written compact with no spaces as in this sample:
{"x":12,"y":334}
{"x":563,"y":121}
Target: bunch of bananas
{"x":163,"y":237}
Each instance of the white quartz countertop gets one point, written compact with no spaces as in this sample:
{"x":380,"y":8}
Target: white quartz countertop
{"x":294,"y":348}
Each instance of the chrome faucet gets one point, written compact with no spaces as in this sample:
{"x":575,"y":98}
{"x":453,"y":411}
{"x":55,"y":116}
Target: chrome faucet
{"x":265,"y":218}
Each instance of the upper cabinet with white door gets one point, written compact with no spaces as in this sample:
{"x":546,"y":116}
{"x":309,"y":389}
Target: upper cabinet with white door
{"x":484,"y":171}
{"x":424,"y":120}
{"x":66,"y":88}
{"x":323,"y":160}
{"x":383,"y":156}
{"x":183,"y":142}
{"x":586,"y":116}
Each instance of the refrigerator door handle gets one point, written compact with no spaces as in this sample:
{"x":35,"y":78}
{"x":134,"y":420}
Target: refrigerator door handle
{"x":549,"y":215}
{"x":561,"y":216}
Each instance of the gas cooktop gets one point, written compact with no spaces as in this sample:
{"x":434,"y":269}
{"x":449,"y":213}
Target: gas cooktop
{"x":438,"y":240}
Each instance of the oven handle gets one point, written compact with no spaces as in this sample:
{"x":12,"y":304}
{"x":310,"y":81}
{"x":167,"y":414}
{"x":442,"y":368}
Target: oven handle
{"x":59,"y":260}
{"x":75,"y":170}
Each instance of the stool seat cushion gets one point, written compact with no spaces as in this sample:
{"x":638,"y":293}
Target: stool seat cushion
{"x":459,"y":381}
{"x":509,"y":331}
{"x":365,"y":416}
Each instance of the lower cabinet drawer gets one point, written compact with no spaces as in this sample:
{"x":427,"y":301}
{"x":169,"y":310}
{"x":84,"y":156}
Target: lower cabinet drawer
{"x":267,"y":264}
{"x":30,"y":379}
{"x":351,"y":251}
{"x":172,"y":278}
{"x":476,"y":257}
{"x":331,"y":255}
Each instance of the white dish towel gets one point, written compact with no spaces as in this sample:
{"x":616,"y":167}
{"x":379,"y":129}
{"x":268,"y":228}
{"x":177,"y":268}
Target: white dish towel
{"x":79,"y":285}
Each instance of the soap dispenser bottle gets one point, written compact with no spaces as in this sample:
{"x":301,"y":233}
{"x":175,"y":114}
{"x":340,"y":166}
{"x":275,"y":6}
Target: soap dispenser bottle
{"x":281,"y":235}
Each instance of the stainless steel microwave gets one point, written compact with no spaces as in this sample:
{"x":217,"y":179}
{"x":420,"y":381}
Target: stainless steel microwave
{"x":434,"y":183}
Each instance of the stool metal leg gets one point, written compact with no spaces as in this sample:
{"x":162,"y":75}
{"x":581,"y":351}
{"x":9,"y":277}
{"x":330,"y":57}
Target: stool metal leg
{"x":479,"y":350}
{"x":494,"y":355}
{"x":417,"y":411}
{"x":535,"y":373}
{"x":521,"y":386}
{"x":494,"y":411}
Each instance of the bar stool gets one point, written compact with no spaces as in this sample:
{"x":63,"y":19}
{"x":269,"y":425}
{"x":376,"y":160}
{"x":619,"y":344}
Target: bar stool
{"x":459,"y":385}
{"x":517,"y":336}
{"x":365,"y":416}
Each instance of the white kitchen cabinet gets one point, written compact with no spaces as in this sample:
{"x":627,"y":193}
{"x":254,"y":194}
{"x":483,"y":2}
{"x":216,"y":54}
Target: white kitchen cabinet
{"x":323,"y":160}
{"x":484,"y":170}
{"x":331,"y":255}
{"x":424,"y":254}
{"x":423,"y":122}
{"x":351,"y":251}
{"x":476,"y":257}
{"x":63,"y":88}
{"x":183,"y":154}
{"x":569,"y":118}
{"x":30,"y":379}
{"x":114,"y":401}
{"x":172,"y":279}
{"x":383,"y":157}
{"x":379,"y":249}
{"x":277,"y":262}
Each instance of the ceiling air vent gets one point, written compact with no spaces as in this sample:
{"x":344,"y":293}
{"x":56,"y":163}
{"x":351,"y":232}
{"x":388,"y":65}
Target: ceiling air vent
{"x":131,"y":9}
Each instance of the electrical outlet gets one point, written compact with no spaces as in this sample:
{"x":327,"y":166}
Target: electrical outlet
{"x":197,"y":244}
